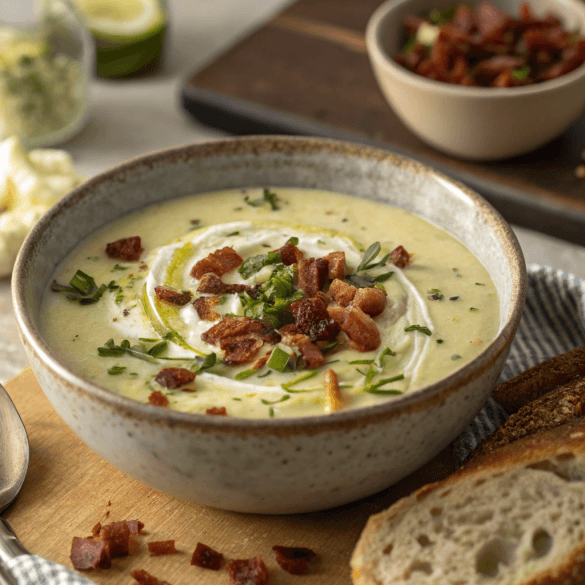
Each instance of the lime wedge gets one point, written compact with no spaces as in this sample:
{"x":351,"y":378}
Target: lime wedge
{"x":129,"y":34}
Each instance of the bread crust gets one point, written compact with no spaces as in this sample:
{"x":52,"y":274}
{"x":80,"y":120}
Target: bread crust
{"x":562,"y":442}
{"x":539,"y":379}
{"x":557,"y":407}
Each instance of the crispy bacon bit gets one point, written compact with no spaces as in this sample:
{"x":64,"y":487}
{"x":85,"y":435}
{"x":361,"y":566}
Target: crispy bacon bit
{"x":144,"y":578}
{"x":128,"y":249}
{"x":333,"y":396}
{"x":312,"y":275}
{"x":235,"y":326}
{"x":204,"y":307}
{"x":400,"y":257}
{"x":88,"y":554}
{"x":117,"y":538}
{"x":359,"y":327}
{"x":218,"y":262}
{"x":134,"y":526}
{"x":313,"y":320}
{"x":310,"y":352}
{"x":289,"y":254}
{"x":207,"y":558}
{"x":212,"y":284}
{"x":247,"y":571}
{"x":336,"y":265}
{"x":371,"y":301}
{"x":157,"y":398}
{"x":174,"y":377}
{"x":342,"y":292}
{"x":490,"y":20}
{"x":172,"y":296}
{"x":216,"y":410}
{"x":293,"y":559}
{"x":241,"y":349}
{"x":161,"y":547}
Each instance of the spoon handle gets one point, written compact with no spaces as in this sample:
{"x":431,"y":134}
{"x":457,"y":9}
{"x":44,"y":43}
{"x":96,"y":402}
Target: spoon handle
{"x":6,"y":577}
{"x":10,"y":546}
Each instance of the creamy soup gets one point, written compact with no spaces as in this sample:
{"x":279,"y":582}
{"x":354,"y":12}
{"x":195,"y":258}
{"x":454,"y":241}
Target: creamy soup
{"x":225,"y":312}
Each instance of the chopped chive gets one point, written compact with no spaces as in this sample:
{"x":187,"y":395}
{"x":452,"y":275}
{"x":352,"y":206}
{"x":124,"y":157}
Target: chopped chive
{"x":278,"y":360}
{"x":281,"y":399}
{"x":329,"y":346}
{"x":439,"y":341}
{"x":266,"y":374}
{"x":304,"y":377}
{"x":245,"y":374}
{"x":420,"y":328}
{"x":116,"y":370}
{"x":387,"y":351}
{"x":381,"y":391}
{"x":366,"y":362}
{"x":233,"y":234}
{"x":147,"y":339}
{"x":271,"y":412}
{"x":119,"y":267}
{"x":453,"y":298}
{"x":84,"y":283}
{"x":455,"y":356}
{"x":473,"y":309}
{"x":479,"y":284}
{"x":237,"y":399}
{"x":119,"y":297}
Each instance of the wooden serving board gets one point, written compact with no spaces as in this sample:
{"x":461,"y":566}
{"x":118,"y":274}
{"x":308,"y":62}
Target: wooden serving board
{"x":307,"y":72}
{"x":68,"y":488}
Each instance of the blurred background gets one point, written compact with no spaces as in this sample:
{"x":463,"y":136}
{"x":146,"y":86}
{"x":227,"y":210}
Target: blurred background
{"x":104,"y":80}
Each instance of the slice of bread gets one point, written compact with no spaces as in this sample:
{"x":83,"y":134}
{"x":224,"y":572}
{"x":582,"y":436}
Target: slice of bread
{"x":558,"y":406}
{"x":539,"y":380}
{"x":515,"y":516}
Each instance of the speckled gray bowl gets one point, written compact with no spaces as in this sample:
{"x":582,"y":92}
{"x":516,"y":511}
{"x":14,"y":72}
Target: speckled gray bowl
{"x":270,"y":466}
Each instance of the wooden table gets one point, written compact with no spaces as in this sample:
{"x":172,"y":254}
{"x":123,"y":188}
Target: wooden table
{"x":68,"y":488}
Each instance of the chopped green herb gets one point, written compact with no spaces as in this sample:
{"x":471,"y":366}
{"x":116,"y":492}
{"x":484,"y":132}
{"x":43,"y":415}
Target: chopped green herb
{"x":110,"y":349}
{"x":329,"y":346}
{"x":256,"y":263}
{"x":118,"y":267}
{"x":382,"y":391}
{"x":82,"y":289}
{"x":158,"y":349}
{"x":387,"y":351}
{"x":93,"y":257}
{"x":453,"y":298}
{"x":294,"y":241}
{"x":420,"y":328}
{"x":116,"y":370}
{"x":147,"y":339}
{"x":304,"y":377}
{"x":271,"y":412}
{"x":84,"y":283}
{"x":266,"y":374}
{"x":281,"y":399}
{"x":479,"y":284}
{"x":375,"y":388}
{"x":233,"y":234}
{"x":245,"y":374}
{"x":455,"y":356}
{"x":278,"y":360}
{"x":237,"y":399}
{"x":435,"y":294}
{"x":473,"y":309}
{"x":206,"y":363}
{"x":409,"y":45}
{"x":522,"y":73}
{"x":267,"y":197}
{"x":439,"y":341}
{"x":367,"y":362}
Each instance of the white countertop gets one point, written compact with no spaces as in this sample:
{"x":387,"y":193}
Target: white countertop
{"x":131,"y":117}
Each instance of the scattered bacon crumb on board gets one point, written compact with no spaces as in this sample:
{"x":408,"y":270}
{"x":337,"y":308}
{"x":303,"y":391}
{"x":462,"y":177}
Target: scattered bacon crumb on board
{"x":294,"y":560}
{"x":161,"y":547}
{"x":144,"y":578}
{"x":247,"y":571}
{"x":206,"y":558}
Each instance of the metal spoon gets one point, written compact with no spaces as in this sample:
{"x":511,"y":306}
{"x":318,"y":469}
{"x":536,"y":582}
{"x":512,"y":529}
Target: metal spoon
{"x":14,"y":455}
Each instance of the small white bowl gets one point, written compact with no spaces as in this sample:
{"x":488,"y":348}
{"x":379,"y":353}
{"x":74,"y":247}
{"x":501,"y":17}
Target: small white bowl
{"x":480,"y":123}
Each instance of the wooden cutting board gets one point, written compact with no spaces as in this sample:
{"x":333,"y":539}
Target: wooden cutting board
{"x":69,"y":488}
{"x":307,"y":72}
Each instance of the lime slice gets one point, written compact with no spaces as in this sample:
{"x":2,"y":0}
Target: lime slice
{"x":129,"y":34}
{"x":122,"y":19}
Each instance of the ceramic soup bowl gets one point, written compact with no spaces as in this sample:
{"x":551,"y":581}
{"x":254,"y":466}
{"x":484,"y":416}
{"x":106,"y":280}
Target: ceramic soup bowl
{"x":286,"y":465}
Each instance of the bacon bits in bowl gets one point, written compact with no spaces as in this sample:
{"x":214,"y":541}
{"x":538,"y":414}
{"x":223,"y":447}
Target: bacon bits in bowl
{"x":484,"y":81}
{"x":269,"y":324}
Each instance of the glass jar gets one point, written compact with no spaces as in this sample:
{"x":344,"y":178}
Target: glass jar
{"x":46,"y":56}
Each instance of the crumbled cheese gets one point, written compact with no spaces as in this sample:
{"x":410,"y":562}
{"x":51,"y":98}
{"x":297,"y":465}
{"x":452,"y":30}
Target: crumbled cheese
{"x":30,"y":183}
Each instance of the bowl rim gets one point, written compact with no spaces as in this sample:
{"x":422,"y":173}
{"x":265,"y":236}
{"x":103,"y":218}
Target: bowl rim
{"x":436,"y":392}
{"x":380,"y":56}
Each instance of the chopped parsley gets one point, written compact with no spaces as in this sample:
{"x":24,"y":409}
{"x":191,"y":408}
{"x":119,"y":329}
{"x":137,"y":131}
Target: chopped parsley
{"x":420,"y":328}
{"x":255,"y":263}
{"x":435,"y":294}
{"x":267,"y":197}
{"x":245,"y":374}
{"x":116,"y":370}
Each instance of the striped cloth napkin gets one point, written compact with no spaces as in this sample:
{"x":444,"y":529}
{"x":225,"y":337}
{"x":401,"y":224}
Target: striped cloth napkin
{"x":34,"y":570}
{"x":553,"y":322}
